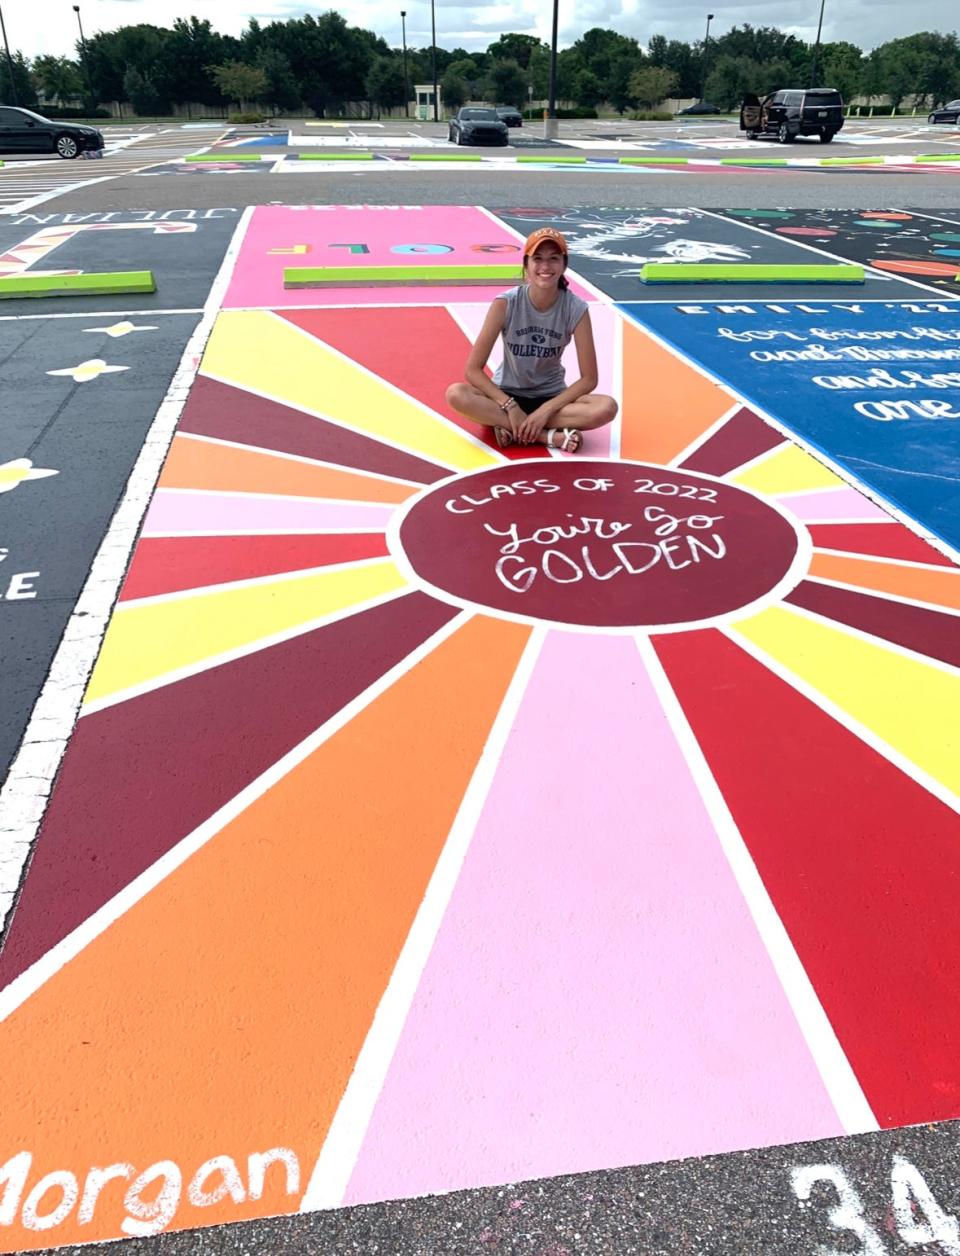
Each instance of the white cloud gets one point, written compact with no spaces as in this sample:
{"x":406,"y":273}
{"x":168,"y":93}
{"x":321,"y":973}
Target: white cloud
{"x":48,"y":26}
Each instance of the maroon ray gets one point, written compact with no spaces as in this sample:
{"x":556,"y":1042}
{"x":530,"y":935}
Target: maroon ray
{"x":925,"y":631}
{"x":742,"y":437}
{"x":137,"y":777}
{"x":229,"y":413}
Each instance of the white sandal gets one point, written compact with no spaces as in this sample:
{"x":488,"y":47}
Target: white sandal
{"x":571,"y":439}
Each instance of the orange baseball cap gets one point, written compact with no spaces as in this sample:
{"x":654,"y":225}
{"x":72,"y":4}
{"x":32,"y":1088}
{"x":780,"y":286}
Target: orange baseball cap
{"x":541,"y":236}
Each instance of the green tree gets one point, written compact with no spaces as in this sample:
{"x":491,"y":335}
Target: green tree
{"x":598,"y":49}
{"x":651,"y":84}
{"x":506,"y":83}
{"x":23,"y":89}
{"x":142,"y":93}
{"x":453,"y":90}
{"x":384,"y":82}
{"x":840,"y":65}
{"x":675,"y":55}
{"x":517,"y":48}
{"x":110,"y":54}
{"x":619,"y":91}
{"x":58,"y":78}
{"x":283,"y":92}
{"x":587,"y":89}
{"x":245,"y":84}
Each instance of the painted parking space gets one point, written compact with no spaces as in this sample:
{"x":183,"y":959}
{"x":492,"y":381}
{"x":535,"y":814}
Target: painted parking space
{"x":502,"y":845}
{"x":85,"y":377}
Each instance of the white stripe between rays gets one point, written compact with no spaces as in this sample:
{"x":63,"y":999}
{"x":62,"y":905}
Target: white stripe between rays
{"x":846,"y":721}
{"x":493,"y":449}
{"x":707,"y":434}
{"x":865,"y":591}
{"x":29,"y":981}
{"x":443,"y":423}
{"x":301,"y":458}
{"x":239,"y":652}
{"x":834,"y":1068}
{"x":861,"y":634}
{"x":342,"y":1146}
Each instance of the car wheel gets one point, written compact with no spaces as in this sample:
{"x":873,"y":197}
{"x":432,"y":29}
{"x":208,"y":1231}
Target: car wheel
{"x":826,"y":136}
{"x":753,"y":135}
{"x":932,"y":119}
{"x":785,"y":135}
{"x":66,"y":146}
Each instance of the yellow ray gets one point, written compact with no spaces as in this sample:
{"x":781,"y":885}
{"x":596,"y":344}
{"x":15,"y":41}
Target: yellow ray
{"x":256,"y":350}
{"x":910,"y":705}
{"x":788,"y":469}
{"x":147,"y":641}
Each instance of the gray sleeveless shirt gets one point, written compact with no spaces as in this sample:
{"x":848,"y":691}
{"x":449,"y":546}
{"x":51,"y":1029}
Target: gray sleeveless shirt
{"x":533,"y":342}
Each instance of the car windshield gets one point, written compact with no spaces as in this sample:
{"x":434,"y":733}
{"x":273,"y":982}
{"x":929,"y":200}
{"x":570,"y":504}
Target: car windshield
{"x":954,"y":104}
{"x":479,"y":115}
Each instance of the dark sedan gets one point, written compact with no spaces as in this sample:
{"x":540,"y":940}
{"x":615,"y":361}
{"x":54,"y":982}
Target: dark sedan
{"x":949,"y":113}
{"x":477,"y":126}
{"x":509,"y":115}
{"x":701,"y":106}
{"x":23,"y":131}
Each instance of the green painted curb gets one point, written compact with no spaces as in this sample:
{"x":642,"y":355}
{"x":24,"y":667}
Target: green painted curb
{"x":445,"y":157}
{"x":565,"y":161}
{"x":223,"y":157}
{"x":336,"y":156}
{"x":753,"y":161}
{"x":363,"y":276}
{"x":106,"y":283}
{"x":850,"y":161}
{"x":654,"y":161}
{"x":937,"y":157}
{"x":720,"y":272}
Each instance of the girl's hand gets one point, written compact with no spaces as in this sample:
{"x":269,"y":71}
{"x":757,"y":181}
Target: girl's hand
{"x":528,"y":432}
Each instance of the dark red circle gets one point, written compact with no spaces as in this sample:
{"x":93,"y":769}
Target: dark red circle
{"x":641,"y":546}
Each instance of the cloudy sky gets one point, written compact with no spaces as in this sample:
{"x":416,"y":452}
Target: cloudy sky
{"x":49,"y":26}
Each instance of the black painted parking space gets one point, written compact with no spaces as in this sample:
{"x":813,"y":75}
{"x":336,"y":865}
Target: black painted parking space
{"x":183,"y":248}
{"x":609,"y":246}
{"x":901,"y":242}
{"x":87,"y":432}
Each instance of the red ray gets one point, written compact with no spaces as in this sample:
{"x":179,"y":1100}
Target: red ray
{"x":742,"y":438}
{"x":883,"y":540}
{"x":861,"y":863}
{"x":419,"y":349}
{"x":171,"y":563}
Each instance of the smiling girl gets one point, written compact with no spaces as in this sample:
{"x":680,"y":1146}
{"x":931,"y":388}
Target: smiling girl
{"x":528,"y":401}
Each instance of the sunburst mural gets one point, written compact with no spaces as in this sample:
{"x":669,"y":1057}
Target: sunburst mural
{"x":438,"y":818}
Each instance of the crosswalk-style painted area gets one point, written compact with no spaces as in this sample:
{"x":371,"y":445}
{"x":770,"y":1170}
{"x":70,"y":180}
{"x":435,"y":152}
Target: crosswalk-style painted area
{"x":309,"y":826}
{"x":26,"y":184}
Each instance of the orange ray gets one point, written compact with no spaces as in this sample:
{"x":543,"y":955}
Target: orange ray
{"x":223,"y":1013}
{"x":937,"y":586}
{"x":205,"y":465}
{"x":666,"y":403}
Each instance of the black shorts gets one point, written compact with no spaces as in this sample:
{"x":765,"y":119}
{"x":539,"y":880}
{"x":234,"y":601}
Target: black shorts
{"x":528,"y":404}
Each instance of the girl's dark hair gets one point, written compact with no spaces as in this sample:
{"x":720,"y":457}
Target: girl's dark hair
{"x":562,"y":282}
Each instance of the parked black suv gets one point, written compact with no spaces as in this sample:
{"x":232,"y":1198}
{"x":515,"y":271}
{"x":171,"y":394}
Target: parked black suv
{"x":22,"y":131}
{"x":792,"y":112}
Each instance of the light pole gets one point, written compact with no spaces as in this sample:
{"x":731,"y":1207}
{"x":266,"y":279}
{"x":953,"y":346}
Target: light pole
{"x":433,"y":56}
{"x":13,"y":81}
{"x":406,"y":84}
{"x":83,"y":54}
{"x":551,"y":126}
{"x":816,"y":49}
{"x":706,"y":40}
